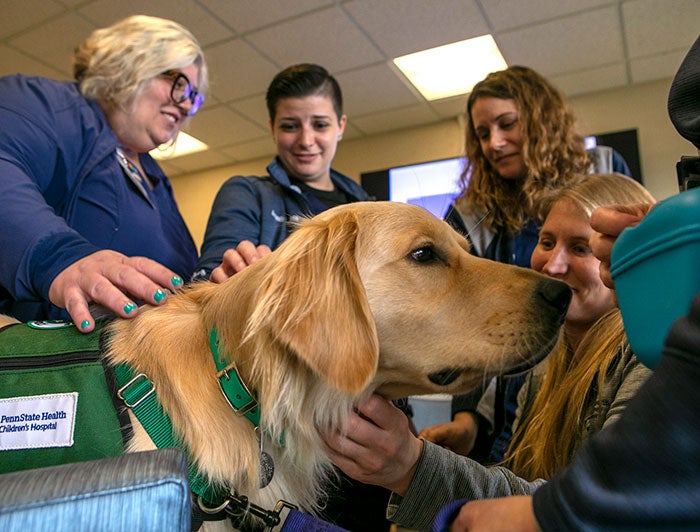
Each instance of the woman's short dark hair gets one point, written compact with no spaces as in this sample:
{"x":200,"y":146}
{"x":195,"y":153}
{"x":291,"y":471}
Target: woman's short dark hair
{"x":301,"y":80}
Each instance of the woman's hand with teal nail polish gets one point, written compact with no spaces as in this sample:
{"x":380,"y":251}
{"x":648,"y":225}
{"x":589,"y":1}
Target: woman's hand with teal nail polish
{"x":121,"y":281}
{"x":159,"y":295}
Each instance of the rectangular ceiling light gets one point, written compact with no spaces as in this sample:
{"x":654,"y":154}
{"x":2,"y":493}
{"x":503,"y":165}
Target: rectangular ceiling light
{"x":451,"y":69}
{"x":184,"y":145}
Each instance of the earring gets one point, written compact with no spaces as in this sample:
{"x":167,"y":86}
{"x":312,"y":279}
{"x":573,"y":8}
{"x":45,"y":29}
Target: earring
{"x":340,"y":137}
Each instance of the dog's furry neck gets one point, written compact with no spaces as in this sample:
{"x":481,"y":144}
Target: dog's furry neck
{"x":222,"y":444}
{"x":281,"y":327}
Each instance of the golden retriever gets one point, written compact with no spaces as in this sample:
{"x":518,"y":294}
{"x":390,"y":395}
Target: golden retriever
{"x":367,"y":297}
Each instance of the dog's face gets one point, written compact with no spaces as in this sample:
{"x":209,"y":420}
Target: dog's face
{"x":394,"y":302}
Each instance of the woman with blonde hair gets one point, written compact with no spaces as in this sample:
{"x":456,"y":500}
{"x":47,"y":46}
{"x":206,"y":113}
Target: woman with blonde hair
{"x":585,"y":381}
{"x":580,"y":388}
{"x":89,"y":217}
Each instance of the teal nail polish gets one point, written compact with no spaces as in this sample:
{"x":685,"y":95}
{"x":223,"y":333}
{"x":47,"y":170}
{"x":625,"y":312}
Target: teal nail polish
{"x":129,"y":308}
{"x":85,"y":324}
{"x":159,"y":295}
{"x":176,"y":281}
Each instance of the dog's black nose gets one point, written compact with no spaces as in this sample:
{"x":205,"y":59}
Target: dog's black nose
{"x":555,"y":293}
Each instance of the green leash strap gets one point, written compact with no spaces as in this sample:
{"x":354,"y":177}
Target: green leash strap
{"x":139,"y":394}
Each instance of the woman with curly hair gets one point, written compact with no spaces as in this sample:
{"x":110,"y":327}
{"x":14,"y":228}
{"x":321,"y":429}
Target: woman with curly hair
{"x":521,"y":143}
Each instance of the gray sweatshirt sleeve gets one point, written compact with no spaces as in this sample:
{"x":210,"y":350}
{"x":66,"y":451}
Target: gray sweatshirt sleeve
{"x":443,"y":476}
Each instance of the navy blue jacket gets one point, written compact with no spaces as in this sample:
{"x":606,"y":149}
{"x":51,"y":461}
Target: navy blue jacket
{"x":65,"y":196}
{"x":259,"y":209}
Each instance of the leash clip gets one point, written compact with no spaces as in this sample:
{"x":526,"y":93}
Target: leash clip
{"x":239,"y":506}
{"x":279,"y":508}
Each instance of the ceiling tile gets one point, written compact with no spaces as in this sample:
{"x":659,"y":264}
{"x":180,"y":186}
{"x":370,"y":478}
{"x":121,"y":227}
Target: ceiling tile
{"x":326,"y":37}
{"x":657,"y":67}
{"x":237,"y":70}
{"x":397,"y":119}
{"x":376,"y":88}
{"x":13,"y":62}
{"x":400,"y":27}
{"x":18,"y":16}
{"x":253,"y":108}
{"x":578,"y":42}
{"x":658,"y":26}
{"x":220,"y":126}
{"x":450,"y":107}
{"x":595,"y":79}
{"x":351,"y":132}
{"x":507,"y":14}
{"x":251,"y":150}
{"x":205,"y":27}
{"x":54,"y":42}
{"x":244,"y":15}
{"x":170,"y":168}
{"x":74,"y":3}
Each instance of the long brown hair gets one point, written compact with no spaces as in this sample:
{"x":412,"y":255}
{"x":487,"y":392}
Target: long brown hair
{"x":553,"y":151}
{"x":547,"y":438}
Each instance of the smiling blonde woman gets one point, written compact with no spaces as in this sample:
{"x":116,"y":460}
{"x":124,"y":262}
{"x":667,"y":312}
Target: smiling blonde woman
{"x":93,"y":216}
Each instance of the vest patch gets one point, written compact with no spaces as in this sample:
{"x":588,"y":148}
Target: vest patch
{"x":38,"y":421}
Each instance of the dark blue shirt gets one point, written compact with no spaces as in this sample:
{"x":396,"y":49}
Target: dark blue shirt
{"x":260,"y":209}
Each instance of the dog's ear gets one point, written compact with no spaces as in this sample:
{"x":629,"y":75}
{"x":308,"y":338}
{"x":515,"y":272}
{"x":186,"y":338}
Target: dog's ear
{"x":313,"y":301}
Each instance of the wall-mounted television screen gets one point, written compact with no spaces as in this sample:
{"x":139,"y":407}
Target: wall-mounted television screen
{"x":431,"y":185}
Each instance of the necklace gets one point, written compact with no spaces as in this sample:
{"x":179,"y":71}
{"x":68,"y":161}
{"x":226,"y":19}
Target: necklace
{"x":130,"y":167}
{"x":132,"y":172}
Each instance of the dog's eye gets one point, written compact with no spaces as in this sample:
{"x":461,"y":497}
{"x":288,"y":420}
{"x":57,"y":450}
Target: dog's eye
{"x":423,"y":254}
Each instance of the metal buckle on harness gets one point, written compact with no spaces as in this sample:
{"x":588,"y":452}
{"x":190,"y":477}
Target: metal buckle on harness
{"x":241,"y":410}
{"x":201,"y":512}
{"x":137,"y":382}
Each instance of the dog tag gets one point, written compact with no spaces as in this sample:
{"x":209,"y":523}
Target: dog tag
{"x":267,"y":468}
